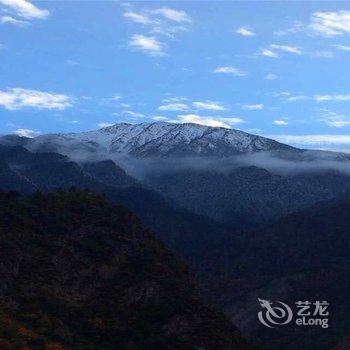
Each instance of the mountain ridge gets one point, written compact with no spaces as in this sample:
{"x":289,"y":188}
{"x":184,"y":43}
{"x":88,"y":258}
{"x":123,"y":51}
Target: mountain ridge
{"x":181,"y":230}
{"x":164,"y":139}
{"x":160,"y":139}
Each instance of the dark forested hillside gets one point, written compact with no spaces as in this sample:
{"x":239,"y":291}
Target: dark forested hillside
{"x":249,"y":195}
{"x":184,"y":232}
{"x":79,"y":273}
{"x":303,"y":256}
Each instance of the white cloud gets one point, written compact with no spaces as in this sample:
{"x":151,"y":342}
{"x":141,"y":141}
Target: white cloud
{"x":289,"y":97}
{"x":254,"y":131}
{"x":274,"y":50}
{"x":159,"y":118}
{"x":327,"y":24}
{"x":178,"y":16}
{"x":230,"y":70}
{"x":26,"y":133}
{"x":116,"y":97}
{"x":14,"y":21}
{"x":280,"y":122}
{"x":132,"y":114}
{"x":225,"y":122}
{"x":114,"y":100}
{"x":25,"y":9}
{"x":296,"y":28}
{"x":17,"y":98}
{"x":268,"y":53}
{"x":271,"y":76}
{"x":282,"y":94}
{"x":245,"y":31}
{"x":174,"y":107}
{"x":286,"y":48}
{"x":324,"y":54}
{"x":342,"y":47}
{"x":335,"y":120}
{"x":138,"y":17}
{"x":174,"y":99}
{"x":254,"y":107}
{"x":338,"y":122}
{"x":208,"y":105}
{"x":168,"y":30}
{"x":104,"y":125}
{"x":193,"y":118}
{"x":231,"y":120}
{"x":72,"y":63}
{"x":164,"y":21}
{"x":296,"y":98}
{"x":334,"y":98}
{"x":313,"y":140}
{"x":147,"y":44}
{"x":330,"y":24}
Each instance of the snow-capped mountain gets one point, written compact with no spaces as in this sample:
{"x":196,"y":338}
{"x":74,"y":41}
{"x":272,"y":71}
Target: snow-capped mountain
{"x":157,"y":139}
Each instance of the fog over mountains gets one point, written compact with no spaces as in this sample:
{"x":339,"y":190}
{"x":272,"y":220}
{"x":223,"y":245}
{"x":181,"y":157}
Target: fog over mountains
{"x":226,"y":174}
{"x":181,"y":146}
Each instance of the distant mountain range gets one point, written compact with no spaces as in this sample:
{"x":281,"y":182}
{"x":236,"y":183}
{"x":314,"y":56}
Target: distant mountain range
{"x":183,"y":231}
{"x":162,"y":139}
{"x":229,"y":175}
{"x":244,"y":211}
{"x":166,"y":140}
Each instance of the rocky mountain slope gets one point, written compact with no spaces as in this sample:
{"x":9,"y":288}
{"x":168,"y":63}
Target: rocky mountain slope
{"x":161,"y":139}
{"x":164,"y":140}
{"x":79,"y":273}
{"x":154,"y":140}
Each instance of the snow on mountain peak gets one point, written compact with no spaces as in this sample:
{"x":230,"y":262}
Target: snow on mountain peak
{"x":159,"y":139}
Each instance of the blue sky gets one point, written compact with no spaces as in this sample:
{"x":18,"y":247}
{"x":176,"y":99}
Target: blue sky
{"x":278,"y":69}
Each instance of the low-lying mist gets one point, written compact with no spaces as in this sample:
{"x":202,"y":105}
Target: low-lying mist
{"x":142,"y":168}
{"x":284,"y":164}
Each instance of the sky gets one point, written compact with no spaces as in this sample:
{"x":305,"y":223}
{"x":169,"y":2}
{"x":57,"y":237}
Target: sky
{"x":274,"y":68}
